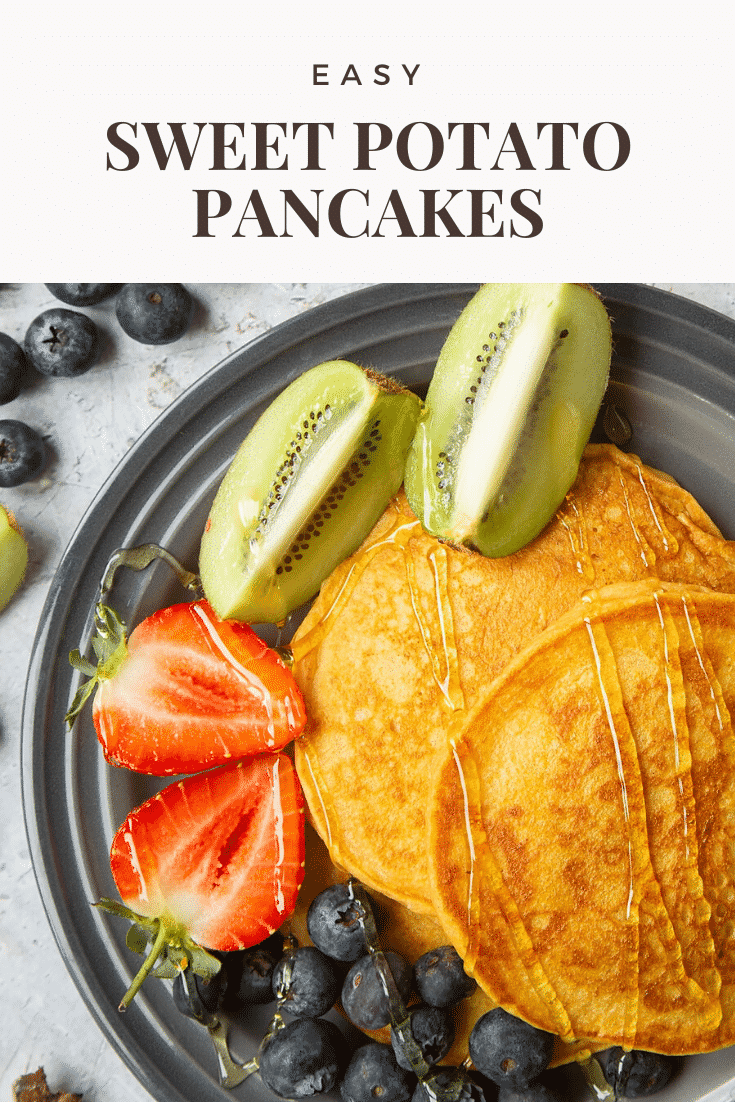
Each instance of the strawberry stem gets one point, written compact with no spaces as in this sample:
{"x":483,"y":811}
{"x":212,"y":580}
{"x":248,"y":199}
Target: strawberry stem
{"x":160,"y":940}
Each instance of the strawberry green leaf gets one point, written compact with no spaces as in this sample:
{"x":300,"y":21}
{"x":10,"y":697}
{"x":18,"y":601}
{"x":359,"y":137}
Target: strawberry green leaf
{"x":137,"y":939}
{"x":204,"y":964}
{"x":168,"y":946}
{"x":110,"y":647}
{"x":167,"y":970}
{"x":113,"y":907}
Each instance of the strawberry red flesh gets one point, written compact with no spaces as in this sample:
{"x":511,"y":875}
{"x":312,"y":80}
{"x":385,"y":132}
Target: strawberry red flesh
{"x":219,"y":855}
{"x":192,"y":691}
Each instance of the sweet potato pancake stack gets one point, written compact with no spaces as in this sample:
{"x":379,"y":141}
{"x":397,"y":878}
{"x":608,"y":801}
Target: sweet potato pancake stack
{"x":581,"y":824}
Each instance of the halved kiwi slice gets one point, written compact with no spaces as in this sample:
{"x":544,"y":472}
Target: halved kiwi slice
{"x":510,"y":407}
{"x":304,"y":489}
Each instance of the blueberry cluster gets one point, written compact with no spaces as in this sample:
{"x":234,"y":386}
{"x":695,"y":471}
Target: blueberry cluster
{"x":305,"y":1053}
{"x":374,"y":994}
{"x":65,"y":343}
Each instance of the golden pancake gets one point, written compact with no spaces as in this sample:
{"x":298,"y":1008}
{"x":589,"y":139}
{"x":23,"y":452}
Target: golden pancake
{"x":411,"y":935}
{"x":582,"y":842}
{"x":407,"y":633}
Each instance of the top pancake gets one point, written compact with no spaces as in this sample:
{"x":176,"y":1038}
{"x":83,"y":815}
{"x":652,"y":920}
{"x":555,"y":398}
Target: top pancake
{"x":582,"y":837}
{"x":406,"y":635}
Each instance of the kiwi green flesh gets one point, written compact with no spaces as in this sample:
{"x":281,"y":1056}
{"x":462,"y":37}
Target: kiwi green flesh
{"x":13,"y":558}
{"x":305,"y":488}
{"x":511,"y":404}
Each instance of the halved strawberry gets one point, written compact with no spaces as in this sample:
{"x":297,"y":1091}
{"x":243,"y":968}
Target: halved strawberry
{"x":214,"y":861}
{"x":187,"y":691}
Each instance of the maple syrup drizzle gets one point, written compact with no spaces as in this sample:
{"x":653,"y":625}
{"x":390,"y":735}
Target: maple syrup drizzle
{"x":618,"y":759}
{"x":700,"y":663}
{"x":607,"y":675}
{"x":666,"y":630}
{"x":471,"y":902}
{"x":280,"y":845}
{"x":642,"y":544}
{"x":398,"y":535}
{"x":450,"y":684}
{"x":577,"y":539}
{"x":644,"y":873}
{"x":670,"y":544}
{"x":253,"y":682}
{"x":135,"y":862}
{"x":413,"y":591}
{"x":318,"y":791}
{"x":443,"y":659}
{"x":446,"y":672}
{"x":698,"y":957}
{"x":505,"y":902}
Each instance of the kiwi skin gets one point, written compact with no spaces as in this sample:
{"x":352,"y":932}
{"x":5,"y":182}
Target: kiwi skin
{"x":305,"y":488}
{"x":510,"y":407}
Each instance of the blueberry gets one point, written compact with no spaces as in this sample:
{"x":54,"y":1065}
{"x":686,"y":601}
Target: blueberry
{"x":373,"y":1073}
{"x":636,"y":1074}
{"x":13,"y":364}
{"x":62,"y":342}
{"x":440,"y":977}
{"x":303,"y":1058}
{"x":333,"y":922}
{"x":206,"y":998}
{"x":184,"y":1003}
{"x":82,"y":294}
{"x":433,"y":1032}
{"x":251,"y":975}
{"x":364,"y":1000}
{"x":22,"y":453}
{"x":212,"y":992}
{"x":308,"y":982}
{"x":449,"y":1084}
{"x":508,"y":1050}
{"x":154,"y":313}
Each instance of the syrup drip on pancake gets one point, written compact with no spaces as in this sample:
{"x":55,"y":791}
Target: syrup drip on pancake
{"x":670,"y":544}
{"x":398,"y":533}
{"x":648,"y":555}
{"x":572,"y":521}
{"x":436,"y":624}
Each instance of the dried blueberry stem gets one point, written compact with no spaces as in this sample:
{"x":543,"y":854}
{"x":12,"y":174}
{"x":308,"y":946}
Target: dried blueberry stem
{"x":400,"y":1019}
{"x":231,"y":1074}
{"x":139,"y":558}
{"x":599,"y":1087}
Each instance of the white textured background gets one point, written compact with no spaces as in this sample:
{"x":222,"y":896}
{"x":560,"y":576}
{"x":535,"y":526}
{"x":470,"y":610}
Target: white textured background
{"x":90,"y":423}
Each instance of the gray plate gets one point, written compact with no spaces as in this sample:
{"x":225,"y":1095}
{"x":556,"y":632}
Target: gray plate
{"x":674,"y":375}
